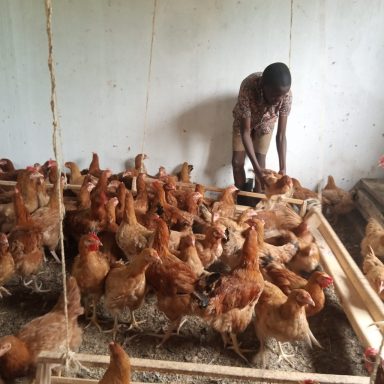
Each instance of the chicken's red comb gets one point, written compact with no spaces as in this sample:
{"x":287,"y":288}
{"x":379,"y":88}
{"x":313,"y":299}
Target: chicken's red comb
{"x":94,"y":236}
{"x":370,"y":351}
{"x":31,"y":168}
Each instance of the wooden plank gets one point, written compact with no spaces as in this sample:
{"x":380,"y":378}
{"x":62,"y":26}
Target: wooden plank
{"x":207,"y":188}
{"x":216,"y":371}
{"x":67,"y":380}
{"x":375,"y":188}
{"x":367,"y":207}
{"x":370,"y":299}
{"x":43,"y":374}
{"x":350,"y":299}
{"x":48,"y":185}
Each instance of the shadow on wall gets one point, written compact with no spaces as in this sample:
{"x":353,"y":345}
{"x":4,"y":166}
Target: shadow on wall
{"x":205,"y":132}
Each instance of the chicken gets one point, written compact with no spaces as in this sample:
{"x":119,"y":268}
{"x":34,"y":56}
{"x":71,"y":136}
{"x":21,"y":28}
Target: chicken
{"x":15,"y":358}
{"x":26,"y":243}
{"x":108,"y":235}
{"x":370,"y":356}
{"x":280,"y":254}
{"x":90,"y":269}
{"x":283,"y":318}
{"x":283,"y":186}
{"x":139,"y":163}
{"x":172,"y":215}
{"x":162,"y":174}
{"x":234,"y":237}
{"x":94,"y":166}
{"x":119,"y":370}
{"x":18,"y":353}
{"x":120,"y":208}
{"x":192,"y":202}
{"x":141,"y":201}
{"x":131,"y":236}
{"x":185,"y":173}
{"x":84,"y":196}
{"x":169,"y":189}
{"x":336,"y":201}
{"x":7,"y":265}
{"x":173,"y":281}
{"x":287,"y":280}
{"x":99,"y":198}
{"x":125,"y":286}
{"x":6,"y":165}
{"x":374,"y":237}
{"x":211,"y":248}
{"x":26,"y":184}
{"x":75,"y":176}
{"x":280,"y":217}
{"x":301,"y":234}
{"x":283,"y":278}
{"x":305,"y":260}
{"x":189,"y":254}
{"x":373,"y":269}
{"x":226,"y":207}
{"x":232,"y":302}
{"x":315,"y":287}
{"x":302,"y":193}
{"x":48,"y":219}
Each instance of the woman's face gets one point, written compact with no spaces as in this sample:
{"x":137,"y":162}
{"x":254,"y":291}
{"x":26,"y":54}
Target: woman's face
{"x":273,"y":95}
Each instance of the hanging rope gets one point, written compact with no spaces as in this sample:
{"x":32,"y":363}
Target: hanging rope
{"x":56,"y":140}
{"x":149,"y":76}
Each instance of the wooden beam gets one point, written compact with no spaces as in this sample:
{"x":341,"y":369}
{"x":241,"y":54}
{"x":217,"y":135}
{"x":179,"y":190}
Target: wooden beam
{"x":218,"y":371}
{"x":71,"y":380}
{"x":48,"y":185}
{"x":370,"y":298}
{"x":350,"y":299}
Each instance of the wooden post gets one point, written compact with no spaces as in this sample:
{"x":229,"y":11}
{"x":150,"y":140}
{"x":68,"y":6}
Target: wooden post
{"x":43,"y":373}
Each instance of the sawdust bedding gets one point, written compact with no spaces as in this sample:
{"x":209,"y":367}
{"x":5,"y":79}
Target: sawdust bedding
{"x":198,"y":343}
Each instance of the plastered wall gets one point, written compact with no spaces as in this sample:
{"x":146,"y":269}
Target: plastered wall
{"x":202,"y":49}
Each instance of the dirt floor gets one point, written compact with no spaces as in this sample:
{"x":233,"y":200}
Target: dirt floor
{"x":198,"y":343}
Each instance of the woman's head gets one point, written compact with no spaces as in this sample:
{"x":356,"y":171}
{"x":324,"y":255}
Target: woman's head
{"x":276,"y":82}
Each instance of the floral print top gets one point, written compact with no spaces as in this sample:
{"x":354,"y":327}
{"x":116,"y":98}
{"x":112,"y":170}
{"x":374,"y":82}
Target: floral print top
{"x":251,"y":103}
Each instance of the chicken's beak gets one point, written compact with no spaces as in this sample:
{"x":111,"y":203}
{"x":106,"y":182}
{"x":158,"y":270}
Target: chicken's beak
{"x":310,"y":301}
{"x":4,"y":348}
{"x":381,"y":287}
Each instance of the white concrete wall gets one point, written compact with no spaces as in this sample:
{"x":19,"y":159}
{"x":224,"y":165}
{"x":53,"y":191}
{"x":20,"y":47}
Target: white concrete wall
{"x":202,"y":50}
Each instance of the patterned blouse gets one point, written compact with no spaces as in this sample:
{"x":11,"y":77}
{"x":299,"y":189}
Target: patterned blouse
{"x":251,"y":103}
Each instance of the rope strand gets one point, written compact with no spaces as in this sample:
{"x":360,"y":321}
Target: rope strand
{"x":149,"y":76}
{"x":56,"y":141}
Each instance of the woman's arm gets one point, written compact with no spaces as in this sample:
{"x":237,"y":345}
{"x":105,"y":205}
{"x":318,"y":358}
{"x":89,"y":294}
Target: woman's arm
{"x":245,"y":128}
{"x":281,"y":142}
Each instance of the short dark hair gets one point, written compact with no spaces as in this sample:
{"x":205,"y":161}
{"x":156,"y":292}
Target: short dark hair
{"x":277,"y":75}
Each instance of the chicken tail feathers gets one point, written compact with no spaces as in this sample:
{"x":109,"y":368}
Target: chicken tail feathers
{"x":331,"y":183}
{"x":73,"y":299}
{"x":312,"y":340}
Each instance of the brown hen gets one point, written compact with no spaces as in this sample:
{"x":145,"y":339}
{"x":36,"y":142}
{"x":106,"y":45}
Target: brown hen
{"x":90,"y":269}
{"x":119,"y":370}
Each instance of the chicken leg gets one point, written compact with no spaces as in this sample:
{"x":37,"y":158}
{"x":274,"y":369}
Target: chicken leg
{"x":284,"y":356}
{"x":94,"y":316}
{"x":54,"y":255}
{"x":236,"y":347}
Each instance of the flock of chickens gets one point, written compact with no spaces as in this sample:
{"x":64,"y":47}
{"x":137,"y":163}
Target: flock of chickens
{"x":138,"y":234}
